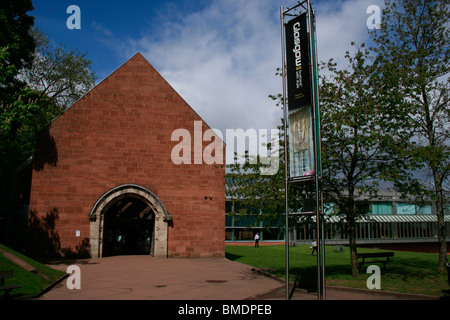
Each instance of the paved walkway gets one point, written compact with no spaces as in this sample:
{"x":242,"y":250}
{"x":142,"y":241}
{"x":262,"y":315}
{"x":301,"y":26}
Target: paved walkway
{"x":148,"y":278}
{"x":18,"y":261}
{"x":22,"y":263}
{"x":145,"y":277}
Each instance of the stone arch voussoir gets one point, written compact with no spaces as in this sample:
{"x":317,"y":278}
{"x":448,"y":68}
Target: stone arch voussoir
{"x":162,"y":218}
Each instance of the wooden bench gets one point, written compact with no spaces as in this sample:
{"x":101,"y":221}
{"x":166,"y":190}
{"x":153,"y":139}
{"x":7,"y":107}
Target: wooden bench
{"x":5,"y":274}
{"x":380,"y":257}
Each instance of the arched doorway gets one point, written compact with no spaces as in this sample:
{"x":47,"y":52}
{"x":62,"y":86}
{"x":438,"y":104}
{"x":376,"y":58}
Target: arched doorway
{"x":128,"y":227}
{"x":129,"y":219}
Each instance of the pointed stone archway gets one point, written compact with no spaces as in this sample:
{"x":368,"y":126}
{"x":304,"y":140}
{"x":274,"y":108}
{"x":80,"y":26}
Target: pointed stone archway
{"x":161,"y":218}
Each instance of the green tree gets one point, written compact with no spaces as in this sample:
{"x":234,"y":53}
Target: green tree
{"x":412,"y":49}
{"x":16,"y":45}
{"x":257,"y":193}
{"x":354,"y":138}
{"x":60,"y":75}
{"x":16,"y":52}
{"x":54,"y":80}
{"x":36,"y":86}
{"x":259,"y":185}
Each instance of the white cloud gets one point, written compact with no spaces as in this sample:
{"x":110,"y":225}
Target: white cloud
{"x":338,"y":24}
{"x":101,"y":29}
{"x":222,"y":59}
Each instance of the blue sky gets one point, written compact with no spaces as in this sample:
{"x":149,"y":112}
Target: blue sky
{"x":219,"y":55}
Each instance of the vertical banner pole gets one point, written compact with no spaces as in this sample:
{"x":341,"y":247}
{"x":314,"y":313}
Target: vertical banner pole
{"x":319,"y":161}
{"x":300,"y":90}
{"x":316,"y":175}
{"x":283,"y":72}
{"x":317,"y":153}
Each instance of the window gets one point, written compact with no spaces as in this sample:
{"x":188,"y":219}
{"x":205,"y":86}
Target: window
{"x":406,"y":208}
{"x":273,"y":234}
{"x":424,"y":209}
{"x":381,"y":208}
{"x":229,"y":207}
{"x":228,"y":221}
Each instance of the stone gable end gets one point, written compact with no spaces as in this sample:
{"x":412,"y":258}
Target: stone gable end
{"x":120,"y":134}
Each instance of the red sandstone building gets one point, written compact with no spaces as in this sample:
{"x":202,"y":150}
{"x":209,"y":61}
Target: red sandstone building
{"x":103,"y":181}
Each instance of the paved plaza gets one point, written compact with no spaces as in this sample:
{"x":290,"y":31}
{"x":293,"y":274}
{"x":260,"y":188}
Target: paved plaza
{"x":146,"y":278}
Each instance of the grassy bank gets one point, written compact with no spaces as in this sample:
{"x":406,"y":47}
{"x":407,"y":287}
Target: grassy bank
{"x":410,"y":272}
{"x":31,"y":283}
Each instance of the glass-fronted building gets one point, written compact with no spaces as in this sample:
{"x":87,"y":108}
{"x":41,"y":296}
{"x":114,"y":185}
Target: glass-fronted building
{"x":388,"y":218}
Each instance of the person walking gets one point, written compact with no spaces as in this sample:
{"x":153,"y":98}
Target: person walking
{"x":256,"y":240}
{"x":314,"y":247}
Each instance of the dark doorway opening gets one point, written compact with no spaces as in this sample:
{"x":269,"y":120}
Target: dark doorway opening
{"x":128,"y":227}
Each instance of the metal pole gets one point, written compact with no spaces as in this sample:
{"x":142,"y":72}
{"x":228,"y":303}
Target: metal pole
{"x":316,"y":122}
{"x":320,"y":164}
{"x":323,"y":248}
{"x":285,"y":152}
{"x":319,"y":229}
{"x":318,"y":142}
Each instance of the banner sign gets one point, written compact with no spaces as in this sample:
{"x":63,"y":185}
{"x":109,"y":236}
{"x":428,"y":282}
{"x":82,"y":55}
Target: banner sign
{"x":297,"y":63}
{"x":300,"y":111}
{"x":301,"y":144}
{"x":302,"y":123}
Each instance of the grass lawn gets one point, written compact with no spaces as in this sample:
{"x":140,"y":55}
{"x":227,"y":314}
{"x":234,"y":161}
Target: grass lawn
{"x":410,"y":272}
{"x":30,"y":283}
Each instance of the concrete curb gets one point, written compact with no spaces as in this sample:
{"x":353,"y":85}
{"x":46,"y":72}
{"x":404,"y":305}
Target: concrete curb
{"x":51,"y":286}
{"x":398,"y":295}
{"x":404,"y":296}
{"x":268,"y":274}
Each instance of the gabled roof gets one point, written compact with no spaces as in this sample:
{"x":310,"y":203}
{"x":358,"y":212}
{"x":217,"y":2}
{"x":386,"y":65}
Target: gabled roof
{"x":137,"y":58}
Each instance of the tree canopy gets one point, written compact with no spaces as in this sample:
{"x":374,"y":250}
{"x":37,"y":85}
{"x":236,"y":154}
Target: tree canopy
{"x":38,"y":81}
{"x":413,"y":63}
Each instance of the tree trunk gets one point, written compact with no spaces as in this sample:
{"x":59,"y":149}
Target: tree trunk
{"x":351,"y":221}
{"x":438,"y":190}
{"x":352,"y":243}
{"x":440,"y":222}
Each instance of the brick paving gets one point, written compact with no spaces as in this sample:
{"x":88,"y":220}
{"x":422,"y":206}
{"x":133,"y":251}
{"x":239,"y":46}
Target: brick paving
{"x":148,"y":278}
